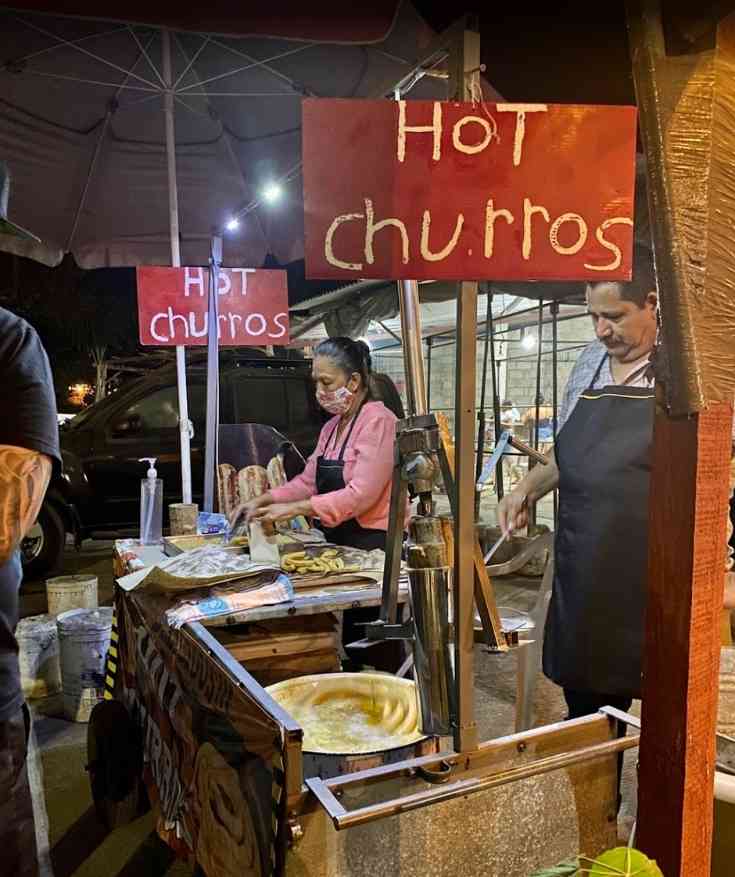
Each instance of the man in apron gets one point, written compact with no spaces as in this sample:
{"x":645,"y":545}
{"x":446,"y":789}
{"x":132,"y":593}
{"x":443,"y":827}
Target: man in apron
{"x":601,"y":464}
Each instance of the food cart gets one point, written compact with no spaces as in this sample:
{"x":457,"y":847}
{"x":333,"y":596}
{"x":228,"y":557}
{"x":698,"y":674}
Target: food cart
{"x":230,"y":777}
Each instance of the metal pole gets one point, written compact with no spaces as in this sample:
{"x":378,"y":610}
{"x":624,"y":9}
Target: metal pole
{"x":540,"y":340}
{"x":408,"y":298}
{"x":429,"y":343}
{"x":173,"y":213}
{"x":497,"y":426}
{"x":481,"y":421}
{"x":465,"y":734}
{"x":555,"y":384}
{"x":212,"y":428}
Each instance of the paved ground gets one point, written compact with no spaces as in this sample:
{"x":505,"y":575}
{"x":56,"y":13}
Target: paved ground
{"x":78,"y":846}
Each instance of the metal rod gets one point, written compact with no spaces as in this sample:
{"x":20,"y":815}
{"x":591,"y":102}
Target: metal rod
{"x":532,"y":517}
{"x":428,"y":372}
{"x":481,"y":424}
{"x":173,"y":214}
{"x":497,"y":428}
{"x":408,"y":298}
{"x":342,"y":818}
{"x":465,"y":734}
{"x":212,"y":419}
{"x":555,"y":386}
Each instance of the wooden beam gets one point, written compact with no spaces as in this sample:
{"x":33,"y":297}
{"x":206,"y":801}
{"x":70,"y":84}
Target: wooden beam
{"x":687,"y":533}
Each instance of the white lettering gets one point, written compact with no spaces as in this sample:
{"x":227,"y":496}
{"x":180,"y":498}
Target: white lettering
{"x":281,"y":326}
{"x":442,"y":254}
{"x":372,"y":227}
{"x":609,"y":245}
{"x":198,"y":333}
{"x":153,"y":332}
{"x":491,"y":214}
{"x":435,"y":128}
{"x":581,"y":237}
{"x":172,"y":318}
{"x":528,"y":210}
{"x":220,"y":317}
{"x":233,"y":318}
{"x":491,"y":133}
{"x":328,"y":248}
{"x":193,"y":277}
{"x":243,"y":272}
{"x":263,"y":324}
{"x":224,"y":284}
{"x":520,"y":110}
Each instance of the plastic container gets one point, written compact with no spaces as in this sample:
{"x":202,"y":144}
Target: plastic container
{"x":71,"y":592}
{"x":84,"y":638}
{"x":151,"y":505}
{"x":38,"y":642}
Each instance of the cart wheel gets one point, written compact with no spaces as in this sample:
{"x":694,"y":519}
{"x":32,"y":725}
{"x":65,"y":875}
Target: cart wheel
{"x":115,"y":765}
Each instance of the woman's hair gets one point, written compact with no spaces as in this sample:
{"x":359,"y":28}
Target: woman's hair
{"x":349,"y":356}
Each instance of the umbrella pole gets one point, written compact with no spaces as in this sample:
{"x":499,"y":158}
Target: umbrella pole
{"x":210,"y":450}
{"x":173,"y":213}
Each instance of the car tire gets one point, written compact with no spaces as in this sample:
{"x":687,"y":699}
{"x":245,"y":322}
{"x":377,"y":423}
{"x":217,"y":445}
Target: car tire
{"x":42,"y":549}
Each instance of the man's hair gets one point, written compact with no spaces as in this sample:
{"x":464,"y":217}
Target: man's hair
{"x":644,"y":277}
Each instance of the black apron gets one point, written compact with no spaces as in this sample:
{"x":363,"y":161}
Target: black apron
{"x":594,"y":630}
{"x":330,"y":477}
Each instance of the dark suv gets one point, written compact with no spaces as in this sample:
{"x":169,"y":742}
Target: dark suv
{"x":99,"y":490}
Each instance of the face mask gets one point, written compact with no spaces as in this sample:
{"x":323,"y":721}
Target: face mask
{"x":335,"y":401}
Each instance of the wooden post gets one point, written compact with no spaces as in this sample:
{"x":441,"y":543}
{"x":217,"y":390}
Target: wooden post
{"x":686,"y":102}
{"x":688,"y":501}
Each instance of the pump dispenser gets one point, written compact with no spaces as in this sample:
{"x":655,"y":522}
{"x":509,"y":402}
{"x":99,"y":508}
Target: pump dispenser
{"x":151,"y":504}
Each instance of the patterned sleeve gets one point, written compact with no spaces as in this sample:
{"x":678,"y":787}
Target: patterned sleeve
{"x":580,"y":376}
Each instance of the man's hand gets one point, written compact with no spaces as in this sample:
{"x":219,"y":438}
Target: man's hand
{"x":513,"y":511}
{"x":24,"y":477}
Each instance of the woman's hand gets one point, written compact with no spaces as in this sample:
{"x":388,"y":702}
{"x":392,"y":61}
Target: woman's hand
{"x":276,"y":512}
{"x":248,"y":509}
{"x":513,"y":511}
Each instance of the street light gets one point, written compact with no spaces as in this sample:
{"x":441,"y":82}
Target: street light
{"x":271,"y":193}
{"x":233,"y":224}
{"x":528,"y":341}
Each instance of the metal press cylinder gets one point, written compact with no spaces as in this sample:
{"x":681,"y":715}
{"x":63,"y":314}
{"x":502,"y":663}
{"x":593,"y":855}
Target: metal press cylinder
{"x":429,"y":591}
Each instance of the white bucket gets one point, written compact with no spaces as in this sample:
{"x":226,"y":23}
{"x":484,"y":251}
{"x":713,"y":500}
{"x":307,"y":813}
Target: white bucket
{"x":71,"y":592}
{"x":84,"y":637}
{"x":38,"y":642}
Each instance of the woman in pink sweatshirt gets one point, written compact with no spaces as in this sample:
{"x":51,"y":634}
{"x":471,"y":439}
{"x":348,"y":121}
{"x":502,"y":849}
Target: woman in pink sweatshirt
{"x":347,"y":480}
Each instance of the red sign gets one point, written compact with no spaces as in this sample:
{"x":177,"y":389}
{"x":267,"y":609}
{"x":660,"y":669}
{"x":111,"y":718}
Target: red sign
{"x":468,"y":191}
{"x":172,"y":307}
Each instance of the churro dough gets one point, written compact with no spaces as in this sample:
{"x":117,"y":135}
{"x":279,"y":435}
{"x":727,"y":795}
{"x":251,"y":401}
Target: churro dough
{"x":351,"y":713}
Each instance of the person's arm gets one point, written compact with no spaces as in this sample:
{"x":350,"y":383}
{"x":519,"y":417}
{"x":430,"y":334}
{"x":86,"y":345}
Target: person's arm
{"x":24,"y":477}
{"x":374,"y":450}
{"x":540,"y":480}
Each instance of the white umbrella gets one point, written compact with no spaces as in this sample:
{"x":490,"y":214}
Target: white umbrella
{"x":132,"y":144}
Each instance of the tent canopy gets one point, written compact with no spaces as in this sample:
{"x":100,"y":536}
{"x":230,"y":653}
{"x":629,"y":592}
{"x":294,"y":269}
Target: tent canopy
{"x":82,"y":127}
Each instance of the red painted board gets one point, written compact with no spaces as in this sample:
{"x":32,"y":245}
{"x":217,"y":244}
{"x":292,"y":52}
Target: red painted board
{"x":563,"y":175}
{"x":172,"y":307}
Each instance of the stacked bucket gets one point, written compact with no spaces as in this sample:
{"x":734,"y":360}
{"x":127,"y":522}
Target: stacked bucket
{"x":65,"y":650}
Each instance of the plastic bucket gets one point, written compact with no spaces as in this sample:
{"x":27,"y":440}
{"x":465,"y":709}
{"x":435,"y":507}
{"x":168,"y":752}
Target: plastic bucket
{"x":84,"y":637}
{"x":38,"y":643}
{"x":71,"y":592}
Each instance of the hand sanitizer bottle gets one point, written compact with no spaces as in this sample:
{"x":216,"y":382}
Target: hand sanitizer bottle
{"x":151,"y":504}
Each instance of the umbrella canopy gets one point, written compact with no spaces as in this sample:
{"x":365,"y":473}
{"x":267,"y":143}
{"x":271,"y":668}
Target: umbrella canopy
{"x":82,"y":127}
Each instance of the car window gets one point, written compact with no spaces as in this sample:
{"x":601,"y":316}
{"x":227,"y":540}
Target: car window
{"x":160,"y":411}
{"x":261,"y":400}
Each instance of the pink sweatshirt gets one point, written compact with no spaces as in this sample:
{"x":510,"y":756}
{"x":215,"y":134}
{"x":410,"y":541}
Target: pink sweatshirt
{"x":368,"y":469}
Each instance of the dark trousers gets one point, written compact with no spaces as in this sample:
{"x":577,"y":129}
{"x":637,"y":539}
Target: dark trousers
{"x":584,"y":703}
{"x":17,"y":828}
